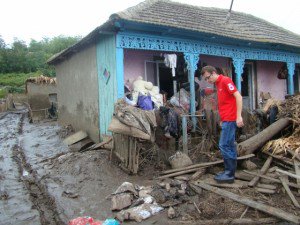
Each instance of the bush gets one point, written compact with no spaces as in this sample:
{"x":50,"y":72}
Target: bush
{"x":3,"y":93}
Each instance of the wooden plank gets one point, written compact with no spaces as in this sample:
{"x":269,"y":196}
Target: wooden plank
{"x":288,"y":173}
{"x":253,"y":204}
{"x":204,"y":165}
{"x":263,"y":170}
{"x":75,"y":137}
{"x":297,"y":171}
{"x":272,"y":179}
{"x":280,"y":158}
{"x":290,"y":194}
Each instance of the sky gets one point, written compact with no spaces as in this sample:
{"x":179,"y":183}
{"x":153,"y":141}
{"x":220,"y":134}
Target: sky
{"x":35,"y":19}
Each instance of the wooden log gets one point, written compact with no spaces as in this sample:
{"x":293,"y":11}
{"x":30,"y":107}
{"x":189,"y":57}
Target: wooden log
{"x":273,"y":179}
{"x":253,"y":204}
{"x":257,"y":141}
{"x":263,"y":170}
{"x":290,"y":194}
{"x":244,"y":221}
{"x":203,"y":165}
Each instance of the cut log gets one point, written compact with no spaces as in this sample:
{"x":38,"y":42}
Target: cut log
{"x":253,"y":204}
{"x":257,"y":141}
{"x":263,"y":170}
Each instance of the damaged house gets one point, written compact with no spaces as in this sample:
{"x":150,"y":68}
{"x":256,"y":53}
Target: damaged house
{"x":135,"y":42}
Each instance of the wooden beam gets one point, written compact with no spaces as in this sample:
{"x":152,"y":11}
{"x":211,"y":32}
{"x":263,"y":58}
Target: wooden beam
{"x":253,"y":204}
{"x":288,"y":173}
{"x":290,"y":194}
{"x":273,"y":179}
{"x":204,"y":164}
{"x":263,"y":170}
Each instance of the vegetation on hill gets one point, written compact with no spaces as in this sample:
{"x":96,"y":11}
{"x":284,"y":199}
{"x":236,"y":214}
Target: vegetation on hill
{"x":19,"y":61}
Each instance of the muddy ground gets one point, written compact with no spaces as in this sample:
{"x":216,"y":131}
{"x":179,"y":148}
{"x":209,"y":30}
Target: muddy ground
{"x":43,"y":182}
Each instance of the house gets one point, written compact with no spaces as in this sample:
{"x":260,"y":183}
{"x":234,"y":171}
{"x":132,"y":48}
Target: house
{"x":41,"y":92}
{"x":92,"y":73}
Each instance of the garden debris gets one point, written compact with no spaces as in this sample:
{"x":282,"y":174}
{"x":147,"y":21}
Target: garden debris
{"x":139,"y":209}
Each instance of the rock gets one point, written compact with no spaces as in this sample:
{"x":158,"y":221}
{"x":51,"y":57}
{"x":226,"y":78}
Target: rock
{"x":171,"y":213}
{"x":121,"y":201}
{"x":126,"y":187}
{"x":180,"y":160}
{"x":168,"y":186}
{"x":248,"y":165}
{"x":159,"y":195}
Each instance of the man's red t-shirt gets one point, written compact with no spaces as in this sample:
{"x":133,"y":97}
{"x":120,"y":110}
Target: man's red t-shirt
{"x":226,"y":100}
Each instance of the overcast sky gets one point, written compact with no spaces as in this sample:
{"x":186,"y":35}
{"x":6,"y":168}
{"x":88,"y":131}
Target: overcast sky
{"x":35,"y":19}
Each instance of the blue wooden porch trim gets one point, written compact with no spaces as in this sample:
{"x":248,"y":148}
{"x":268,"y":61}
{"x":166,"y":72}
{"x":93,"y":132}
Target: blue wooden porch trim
{"x":149,"y":42}
{"x":120,"y":72}
{"x":239,"y":67}
{"x":290,"y":80}
{"x":192,"y":60}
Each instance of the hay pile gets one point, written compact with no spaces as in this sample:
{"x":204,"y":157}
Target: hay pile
{"x":288,"y":145}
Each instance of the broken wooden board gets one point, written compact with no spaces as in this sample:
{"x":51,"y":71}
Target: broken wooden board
{"x":75,"y":137}
{"x":251,"y":203}
{"x":297,"y":171}
{"x":82,"y":144}
{"x":290,"y":194}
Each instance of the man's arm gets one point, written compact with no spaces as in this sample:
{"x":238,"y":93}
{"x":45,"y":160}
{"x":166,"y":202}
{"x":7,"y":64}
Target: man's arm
{"x":239,"y":106}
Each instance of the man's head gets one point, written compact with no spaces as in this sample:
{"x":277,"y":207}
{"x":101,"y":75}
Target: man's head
{"x":209,"y":73}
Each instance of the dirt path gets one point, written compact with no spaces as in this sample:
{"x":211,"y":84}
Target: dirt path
{"x":42,"y":182}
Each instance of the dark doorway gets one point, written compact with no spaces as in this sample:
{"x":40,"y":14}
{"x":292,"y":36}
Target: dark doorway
{"x":166,"y":80}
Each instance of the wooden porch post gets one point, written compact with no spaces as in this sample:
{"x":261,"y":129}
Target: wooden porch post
{"x":290,"y":80}
{"x":120,"y":72}
{"x":238,"y":64}
{"x":192,"y":60}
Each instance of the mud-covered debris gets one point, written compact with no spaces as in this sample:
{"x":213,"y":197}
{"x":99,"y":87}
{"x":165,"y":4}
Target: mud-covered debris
{"x":171,"y":212}
{"x":126,"y":187}
{"x":180,"y":160}
{"x":121,"y":201}
{"x":139,"y":213}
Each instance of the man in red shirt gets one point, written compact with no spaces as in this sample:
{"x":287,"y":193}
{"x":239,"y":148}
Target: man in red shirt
{"x":230,"y":104}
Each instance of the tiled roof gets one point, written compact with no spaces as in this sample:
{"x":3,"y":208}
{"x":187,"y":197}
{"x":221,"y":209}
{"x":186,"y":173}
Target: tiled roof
{"x":208,"y":20}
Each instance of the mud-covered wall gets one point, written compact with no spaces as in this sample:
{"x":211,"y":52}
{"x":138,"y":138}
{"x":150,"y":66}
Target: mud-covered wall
{"x":77,"y":84}
{"x":38,"y":95}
